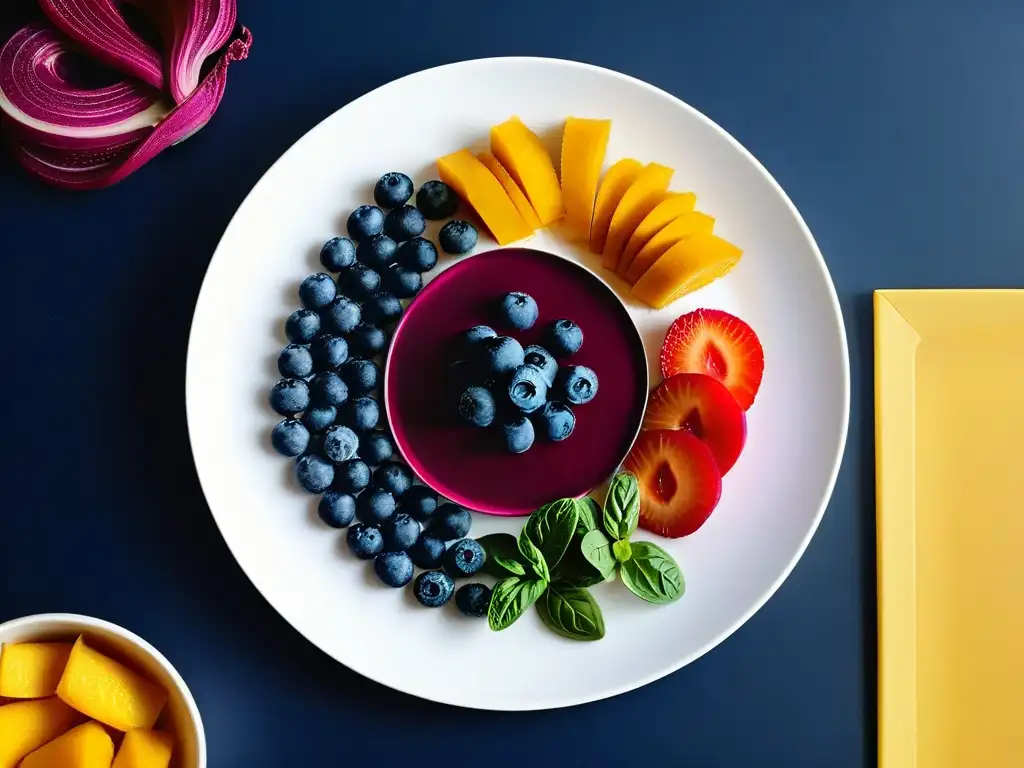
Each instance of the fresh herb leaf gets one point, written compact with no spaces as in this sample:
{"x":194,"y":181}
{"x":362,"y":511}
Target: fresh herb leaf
{"x":571,"y":613}
{"x":510,"y":599}
{"x":652,"y":575}
{"x":622,"y":507}
{"x":597,"y":549}
{"x":503,"y":558}
{"x":622,"y":550}
{"x":589,"y":512}
{"x":551,"y":529}
{"x":534,"y":557}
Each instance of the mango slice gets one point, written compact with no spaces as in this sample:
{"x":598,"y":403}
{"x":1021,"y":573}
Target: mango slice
{"x":521,"y":152}
{"x":32,"y":670}
{"x":27,"y":725}
{"x":690,"y":264}
{"x":672,"y":207}
{"x":640,"y":199}
{"x":584,"y":143}
{"x":145,"y":749}
{"x":688,"y":224}
{"x":103,"y":689}
{"x":87,"y":746}
{"x":478,"y":187}
{"x":512,"y":189}
{"x":617,"y":180}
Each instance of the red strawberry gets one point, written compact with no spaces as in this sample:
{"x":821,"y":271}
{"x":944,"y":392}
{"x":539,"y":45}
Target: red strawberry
{"x":679,"y":481}
{"x":702,"y":406}
{"x":719,"y":344}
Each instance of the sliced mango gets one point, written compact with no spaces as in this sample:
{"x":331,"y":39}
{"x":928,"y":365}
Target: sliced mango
{"x":32,"y":670}
{"x":512,"y":189}
{"x":694,"y":223}
{"x":27,"y":725}
{"x":145,"y":749}
{"x":87,"y":746}
{"x":690,"y":264}
{"x":674,"y":205}
{"x":103,"y":689}
{"x":617,"y":180}
{"x":640,"y":199}
{"x":478,"y":187}
{"x":584,"y":143}
{"x":521,"y":152}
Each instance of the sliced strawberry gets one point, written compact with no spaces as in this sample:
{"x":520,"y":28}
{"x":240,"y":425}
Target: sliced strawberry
{"x":679,"y":481}
{"x":702,"y":406}
{"x":719,"y":344}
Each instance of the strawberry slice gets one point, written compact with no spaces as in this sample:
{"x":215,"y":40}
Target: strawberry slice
{"x":702,"y":406}
{"x":719,"y":344}
{"x":679,"y":481}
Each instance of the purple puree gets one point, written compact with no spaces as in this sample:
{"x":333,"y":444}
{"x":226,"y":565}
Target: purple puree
{"x":469,"y":465}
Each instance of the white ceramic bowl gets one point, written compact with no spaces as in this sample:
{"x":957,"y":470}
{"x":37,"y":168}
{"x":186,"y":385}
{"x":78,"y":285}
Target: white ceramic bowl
{"x":181,"y":716}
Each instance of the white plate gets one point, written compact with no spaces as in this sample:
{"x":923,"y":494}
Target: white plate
{"x":772,"y":500}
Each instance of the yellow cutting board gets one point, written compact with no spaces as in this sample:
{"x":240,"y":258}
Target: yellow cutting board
{"x":949,"y":442}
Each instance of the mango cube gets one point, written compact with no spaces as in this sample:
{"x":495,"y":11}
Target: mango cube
{"x":479,"y":189}
{"x":27,"y":725}
{"x":584,"y":142}
{"x":32,"y":670}
{"x":617,"y":180}
{"x":103,"y":689}
{"x":688,"y":265}
{"x":514,"y":192}
{"x":640,"y":199}
{"x":145,"y":749}
{"x":674,"y":205}
{"x":523,"y":155}
{"x":687,"y":225}
{"x":87,"y":746}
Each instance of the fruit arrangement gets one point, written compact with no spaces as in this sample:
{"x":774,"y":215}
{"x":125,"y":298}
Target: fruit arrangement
{"x":66,"y":700}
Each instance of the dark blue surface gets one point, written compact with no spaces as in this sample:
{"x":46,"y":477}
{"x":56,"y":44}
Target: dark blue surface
{"x":894,"y":126}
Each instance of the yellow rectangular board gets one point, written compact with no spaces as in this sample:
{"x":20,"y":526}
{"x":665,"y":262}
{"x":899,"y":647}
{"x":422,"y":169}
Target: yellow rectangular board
{"x":949,"y":430}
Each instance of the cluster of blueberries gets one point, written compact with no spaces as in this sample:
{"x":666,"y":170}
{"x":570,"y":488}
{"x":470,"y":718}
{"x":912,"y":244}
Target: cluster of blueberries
{"x":522,"y":391}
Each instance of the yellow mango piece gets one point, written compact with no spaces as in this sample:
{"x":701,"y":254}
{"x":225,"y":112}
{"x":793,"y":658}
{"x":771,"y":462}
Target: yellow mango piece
{"x":695,"y":223}
{"x":640,"y":199}
{"x":27,"y":725}
{"x":87,"y":746}
{"x":584,"y":143}
{"x":674,"y":205}
{"x":690,"y":264}
{"x":521,"y":152}
{"x":32,"y":670}
{"x":512,"y":189}
{"x":478,"y":187}
{"x":145,"y":749}
{"x":103,"y":689}
{"x":617,"y":180}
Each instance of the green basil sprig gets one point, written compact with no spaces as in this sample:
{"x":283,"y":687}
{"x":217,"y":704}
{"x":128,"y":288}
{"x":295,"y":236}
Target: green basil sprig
{"x":503,"y":558}
{"x":652,"y":574}
{"x":511,"y":598}
{"x":571,"y":612}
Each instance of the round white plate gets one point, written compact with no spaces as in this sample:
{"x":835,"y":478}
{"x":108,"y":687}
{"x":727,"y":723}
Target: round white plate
{"x":772,"y":500}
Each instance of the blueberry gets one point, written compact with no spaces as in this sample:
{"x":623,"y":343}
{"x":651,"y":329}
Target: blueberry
{"x":434,"y":588}
{"x":361,"y":413}
{"x":576,"y":384}
{"x":392,"y":190}
{"x":464,"y":558}
{"x":374,"y":506}
{"x":393,"y":568}
{"x":472,"y":338}
{"x":417,"y":255}
{"x":340,"y":443}
{"x":519,"y":310}
{"x":314,"y":474}
{"x":450,"y":522}
{"x":360,"y":375}
{"x":302,"y":326}
{"x":377,"y":253}
{"x":403,"y":283}
{"x":341,"y":315}
{"x":437,"y":200}
{"x":365,"y":221}
{"x":365,"y":541}
{"x":290,"y":438}
{"x":383,"y":309}
{"x":427,"y":552}
{"x":327,"y":388}
{"x":319,"y":418}
{"x":477,"y":406}
{"x":393,"y":477}
{"x":473,"y":600}
{"x":420,"y":502}
{"x":563,"y":338}
{"x":527,"y":389}
{"x":375,"y":447}
{"x":498,"y":357}
{"x":316,"y":291}
{"x":289,"y":396}
{"x":540,"y":358}
{"x":337,"y":509}
{"x":337,"y":254}
{"x":368,"y":340}
{"x":295,"y":362}
{"x":351,"y":476}
{"x":404,"y":223}
{"x":556,"y":420}
{"x":329,"y":352}
{"x":457,"y":237}
{"x":519,"y":434}
{"x":359,"y":282}
{"x":400,"y":532}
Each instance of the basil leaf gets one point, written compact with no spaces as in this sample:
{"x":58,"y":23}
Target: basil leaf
{"x":533,"y":557}
{"x":551,"y":529}
{"x":589,"y":512}
{"x":597,"y":549}
{"x":510,"y":599}
{"x":575,"y":571}
{"x":622,"y":507}
{"x":652,"y":575}
{"x":622,"y":550}
{"x":571,"y":613}
{"x":503,"y":558}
